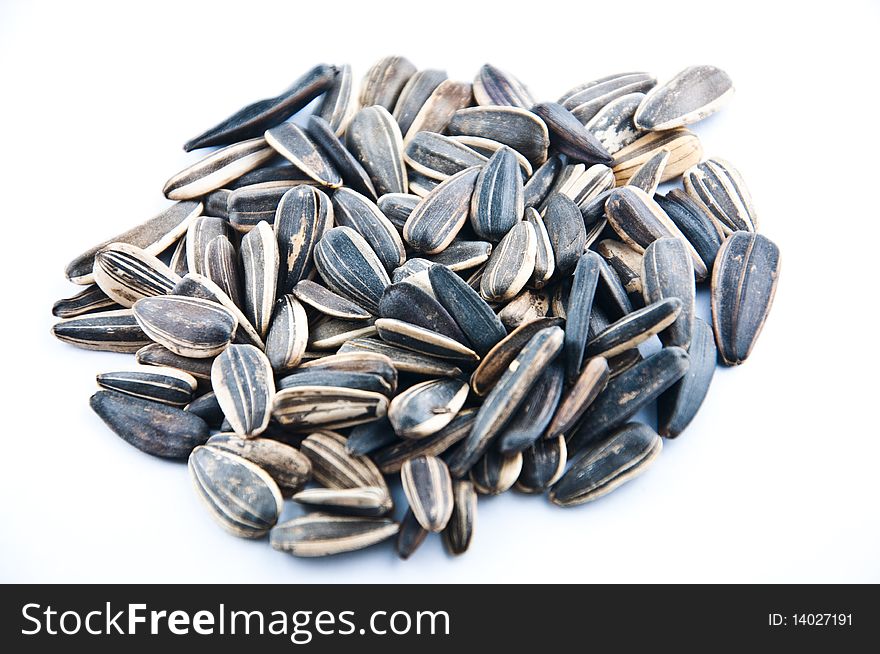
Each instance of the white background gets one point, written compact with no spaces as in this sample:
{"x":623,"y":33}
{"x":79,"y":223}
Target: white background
{"x":776,"y":480}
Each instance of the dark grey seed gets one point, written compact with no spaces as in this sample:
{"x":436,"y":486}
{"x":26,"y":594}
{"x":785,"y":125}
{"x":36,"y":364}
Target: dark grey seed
{"x":463,"y":255}
{"x":495,"y":473}
{"x":647,"y":176}
{"x":593,"y":211}
{"x":88,"y":300}
{"x":330,"y":333}
{"x":421,"y":185}
{"x":287,"y":466}
{"x":586,"y":100}
{"x":199,"y":286}
{"x":694,"y":222}
{"x":165,"y":385}
{"x":559,"y":298}
{"x":511,"y":264}
{"x":488,"y":147}
{"x":320,"y":534}
{"x":351,"y":209}
{"x":153,"y":236}
{"x":248,"y":206}
{"x":327,"y":407}
{"x":613,"y":125}
{"x":106,"y":331}
{"x":259,"y":265}
{"x":239,"y":495}
{"x":543,"y":463}
{"x":339,"y":378}
{"x":611,"y":294}
{"x":374,"y":139}
{"x":152,"y":427}
{"x":743,"y":285}
{"x":569,"y":135}
{"x":599,"y":320}
{"x":565,"y":228}
{"x":222,"y":269}
{"x":397,"y":207}
{"x":690,"y":96}
{"x":668,"y":272}
{"x":719,"y":187}
{"x":540,"y":183}
{"x":404,"y":360}
{"x":384,"y":81}
{"x":438,"y":218}
{"x":623,"y":362}
{"x":126,"y":274}
{"x":428,"y":488}
{"x":427,"y":407}
{"x":460,"y":530}
{"x":207,"y":408}
{"x":217,"y":202}
{"x":409,"y":268}
{"x":424,"y":341}
{"x":497,"y":202}
{"x":351,"y":171}
{"x":627,"y":263}
{"x":626,"y":394}
{"x":438,"y":156}
{"x":291,"y":142}
{"x":364,"y":362}
{"x":349,"y":266}
{"x":506,"y":396}
{"x":493,"y":86}
{"x":533,"y":415}
{"x":302,"y":217}
{"x":177,"y":263}
{"x":337,"y":100}
{"x":685,"y":150}
{"x":187,"y":326}
{"x":391,"y":458}
{"x":578,"y":397}
{"x":328,"y":302}
{"x":218,"y":169}
{"x":411,"y":304}
{"x":607,"y":464}
{"x":677,"y":406}
{"x":371,"y":436}
{"x":580,"y":304}
{"x":518,"y":128}
{"x":438,"y":109}
{"x":202,"y":230}
{"x":411,"y":535}
{"x":242,"y":379}
{"x":369,"y":501}
{"x":635,"y":328}
{"x":525,"y":307}
{"x":154,"y":354}
{"x":333,"y":467}
{"x":414,"y":94}
{"x":284,"y":175}
{"x":256,"y":118}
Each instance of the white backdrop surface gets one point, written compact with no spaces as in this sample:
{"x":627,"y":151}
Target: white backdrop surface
{"x":776,"y":479}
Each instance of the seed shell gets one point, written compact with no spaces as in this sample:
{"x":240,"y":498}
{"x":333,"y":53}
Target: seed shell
{"x":525,"y":307}
{"x":88,"y":300}
{"x":374,"y":138}
{"x":328,"y":302}
{"x":259,"y":263}
{"x":428,"y":488}
{"x":677,"y":406}
{"x":691,"y":95}
{"x":459,"y":531}
{"x":539,"y":184}
{"x":384,"y":81}
{"x":293,"y":144}
{"x":424,"y":341}
{"x":369,"y":501}
{"x":694,"y":222}
{"x":438,"y":156}
{"x":647,"y":176}
{"x":248,"y":206}
{"x":463,"y":255}
{"x":340,"y":378}
{"x":302,"y":216}
{"x":635,"y":328}
{"x":165,"y":385}
{"x":667,"y":271}
{"x":287,"y":466}
{"x":493,"y":86}
{"x":578,"y":397}
{"x":397,"y":207}
{"x":427,"y":407}
{"x":511,"y":265}
{"x":218,"y":169}
{"x":719,"y":187}
{"x":335,"y":468}
{"x":410,"y":304}
{"x":613,"y":125}
{"x":414,"y":95}
{"x":199,"y":286}
{"x":336,"y":103}
{"x":543,"y":463}
{"x":404,"y":360}
{"x":578,"y":311}
{"x":515,"y":127}
{"x":440,"y":107}
{"x":391,"y":458}
{"x":350,"y":267}
{"x":586,"y":100}
{"x":202,"y":230}
{"x":351,"y":209}
{"x":319,"y":534}
{"x":242,"y":379}
{"x":497,"y":201}
{"x":566,"y":231}
{"x":363,"y":362}
{"x":105,"y":331}
{"x":685,"y":150}
{"x":534,"y":414}
{"x":221,"y":267}
{"x":342,"y":161}
{"x":371,"y":436}
{"x":326,"y":407}
{"x":126,"y":274}
{"x":275,"y":176}
{"x":330,"y":333}
{"x":411,"y":535}
{"x":188,"y":326}
{"x":154,"y":354}
{"x":496,"y":473}
{"x":438,"y":218}
{"x":569,"y":135}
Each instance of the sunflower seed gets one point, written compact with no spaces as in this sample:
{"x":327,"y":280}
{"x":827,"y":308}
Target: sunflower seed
{"x":511,"y":265}
{"x":248,"y":206}
{"x":283,"y":175}
{"x":543,"y":463}
{"x":566,"y":231}
{"x":493,"y":86}
{"x":238,"y":494}
{"x":497,"y":202}
{"x":319,"y":534}
{"x":459,"y":531}
{"x":302,"y":217}
{"x":677,"y":406}
{"x":339,"y":378}
{"x":518,"y":128}
{"x":126,"y":274}
{"x":362,"y":362}
{"x":691,"y":95}
{"x":153,"y":354}
{"x":88,"y":300}
{"x":384,"y":81}
{"x":428,"y":488}
{"x":373,"y":137}
{"x":578,"y":398}
{"x":106,"y":331}
{"x":242,"y":379}
{"x":217,"y":202}
{"x":421,"y":185}
{"x":635,"y":328}
{"x":611,"y":296}
{"x":463,"y":255}
{"x":287,"y":466}
{"x":326,"y":407}
{"x":409,"y":268}
{"x":569,"y":135}
{"x":626,"y":394}
{"x":536,"y":189}
{"x":404,"y":360}
{"x":153,"y":236}
{"x":330,"y":333}
{"x":719,"y":187}
{"x":667,"y":271}
{"x":370,"y":437}
{"x":350,"y":267}
{"x":222,"y":269}
{"x":291,"y":142}
{"x":328,"y":302}
{"x":152,"y":427}
{"x":685,"y":150}
{"x":613,"y":125}
{"x":411,"y":535}
{"x":525,"y":307}
{"x":410,"y":304}
{"x":217,"y":169}
{"x":606,"y":465}
{"x":414,"y":94}
{"x":427,"y":407}
{"x":623,"y":362}
{"x":438,"y":109}
{"x":496,"y":473}
{"x":743,"y":285}
{"x":582,"y":184}
{"x":187,"y":326}
{"x":259,"y":262}
{"x":336,"y":103}
{"x":593,"y":211}
{"x":424,"y":341}
{"x":370,"y":501}
{"x":694,"y":222}
{"x":647,"y":176}
{"x":351,"y":209}
{"x":391,"y":458}
{"x":201,"y":232}
{"x":488,"y":147}
{"x":349,"y":169}
{"x":626,"y":262}
{"x":165,"y":385}
{"x":198,"y":286}
{"x":438,"y":218}
{"x":580,"y":303}
{"x":506,"y":396}
{"x":438,"y":156}
{"x":207,"y":408}
{"x":397,"y":207}
{"x":533,"y":415}
{"x":586,"y":100}
{"x":177,"y":262}
{"x":333,"y":467}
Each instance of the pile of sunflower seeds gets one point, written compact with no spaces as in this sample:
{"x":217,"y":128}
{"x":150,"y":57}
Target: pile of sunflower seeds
{"x":441,"y":279}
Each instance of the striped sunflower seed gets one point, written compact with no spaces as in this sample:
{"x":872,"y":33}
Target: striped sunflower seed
{"x":525,"y":307}
{"x":259,"y":263}
{"x":242,"y":379}
{"x":743,"y":286}
{"x":330,"y":333}
{"x":511,"y":264}
{"x":647,"y":176}
{"x":154,"y":354}
{"x":691,"y":95}
{"x":326,"y":407}
{"x":351,"y":209}
{"x":411,"y":535}
{"x":496,"y":473}
{"x":517,"y":128}
{"x":685,"y":150}
{"x":152,"y":427}
{"x":105,"y":331}
{"x":328,"y":302}
{"x":397,"y":207}
{"x":578,"y":311}
{"x":438,"y":218}
{"x":238,"y":494}
{"x":585,"y":100}
{"x":349,"y":169}
{"x":370,"y":437}
{"x":463,"y":255}
{"x":635,"y":328}
{"x":126,"y":274}
{"x":320,"y":534}
{"x":202,"y":230}
{"x":291,"y":142}
{"x":340,"y":378}
{"x":364,"y":362}
{"x":438,"y":156}
{"x":349,"y":266}
{"x":694,"y":222}
{"x":222,"y":269}
{"x":493,"y":86}
{"x":88,"y":300}
{"x":578,"y":397}
{"x":538,"y":186}
{"x":374,"y":138}
{"x":428,"y":489}
{"x":336,"y":103}
{"x":719,"y":187}
{"x":410,"y":304}
{"x":369,"y":501}
{"x":582,"y":184}
{"x":626,"y":262}
{"x":440,"y":107}
{"x":303,"y":215}
{"x":165,"y":385}
{"x":531,"y":418}
{"x":677,"y":406}
{"x":488,"y":147}
{"x":421,"y":185}
{"x":414,"y":95}
{"x":424,"y":341}
{"x":177,"y":262}
{"x":566,"y":231}
{"x":569,"y":136}
{"x":427,"y":407}
{"x":248,"y":206}
{"x":497,"y":201}
{"x":459,"y":531}
{"x":188,"y":326}
{"x":217,"y":169}
{"x":392,"y":457}
{"x":333,"y":467}
{"x":276,"y":176}
{"x":667,"y":271}
{"x":623,"y":362}
{"x":611,"y":296}
{"x":543,"y":464}
{"x":614,"y":126}
{"x":404,"y":360}
{"x":198,"y":286}
{"x":384,"y":81}
{"x":287,"y":466}
{"x":207,"y":408}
